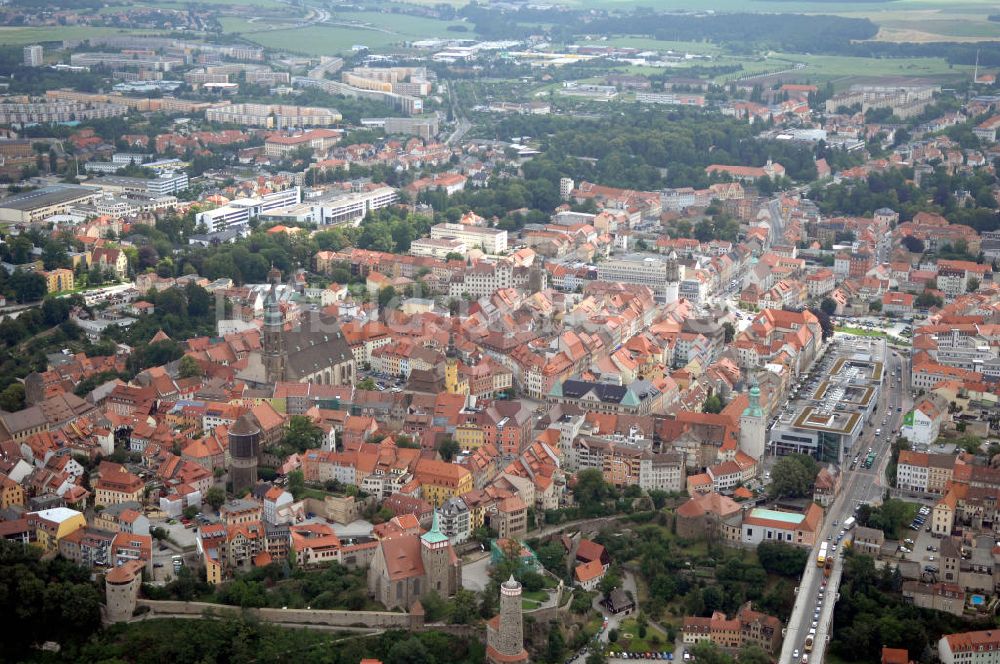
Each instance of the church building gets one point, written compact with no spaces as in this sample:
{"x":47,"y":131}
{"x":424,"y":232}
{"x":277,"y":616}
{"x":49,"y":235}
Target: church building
{"x":313,"y":351}
{"x":406,"y":567}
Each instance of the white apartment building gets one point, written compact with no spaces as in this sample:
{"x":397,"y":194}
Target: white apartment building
{"x":240,"y":211}
{"x":340,"y":209}
{"x":911,"y":477}
{"x":490,"y":240}
{"x":33,"y":56}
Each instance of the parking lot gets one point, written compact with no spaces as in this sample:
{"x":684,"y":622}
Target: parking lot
{"x":923,"y":546}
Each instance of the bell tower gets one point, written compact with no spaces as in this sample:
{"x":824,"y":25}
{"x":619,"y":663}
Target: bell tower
{"x":752,"y":425}
{"x":273,"y":339}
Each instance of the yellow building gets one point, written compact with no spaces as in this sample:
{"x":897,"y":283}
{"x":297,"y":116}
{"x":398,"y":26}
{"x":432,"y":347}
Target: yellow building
{"x":54,"y":524}
{"x":452,"y":383}
{"x":441,"y":480}
{"x":469,"y":436}
{"x":58,"y":280}
{"x":11,"y":493}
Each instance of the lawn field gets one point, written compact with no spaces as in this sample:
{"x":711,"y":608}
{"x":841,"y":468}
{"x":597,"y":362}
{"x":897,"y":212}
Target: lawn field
{"x":376,"y":30}
{"x":16,"y":36}
{"x":661,"y":45}
{"x":322,"y":40}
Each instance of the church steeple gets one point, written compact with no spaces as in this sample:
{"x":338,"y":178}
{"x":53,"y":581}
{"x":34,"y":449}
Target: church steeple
{"x":273,"y":336}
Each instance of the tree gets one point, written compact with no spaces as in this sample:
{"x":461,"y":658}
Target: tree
{"x":828,"y":306}
{"x":753,"y":654}
{"x":367,"y":383}
{"x":781,"y":558}
{"x":793,"y":476}
{"x":713,"y":404}
{"x":913,"y":244}
{"x":296,"y":483}
{"x":12,"y":398}
{"x":972,"y":285}
{"x":215,"y":497}
{"x":613,"y":635}
{"x":556,"y":646}
{"x":875,"y":306}
{"x":190,"y":512}
{"x":926,"y":300}
{"x":386,"y":296}
{"x":729,"y":331}
{"x":189,"y":368}
{"x":706,"y":652}
{"x":302,"y":434}
{"x":448,"y":448}
{"x":591,"y":491}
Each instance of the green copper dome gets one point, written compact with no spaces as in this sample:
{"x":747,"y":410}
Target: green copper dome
{"x":754,"y":409}
{"x":434,"y":535}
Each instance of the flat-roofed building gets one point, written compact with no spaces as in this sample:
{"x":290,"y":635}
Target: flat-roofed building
{"x":765,"y":525}
{"x":828,"y":424}
{"x":37,"y":205}
{"x":490,"y":240}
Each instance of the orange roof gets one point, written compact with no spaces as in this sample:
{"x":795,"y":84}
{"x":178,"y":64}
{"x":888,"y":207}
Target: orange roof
{"x":589,"y":571}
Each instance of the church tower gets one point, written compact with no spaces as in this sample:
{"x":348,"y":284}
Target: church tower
{"x":752,"y":424}
{"x":505,"y":632}
{"x":273,"y":339}
{"x":435,"y":552}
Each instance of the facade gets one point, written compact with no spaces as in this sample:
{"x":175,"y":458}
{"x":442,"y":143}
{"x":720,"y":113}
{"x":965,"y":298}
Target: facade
{"x":662,"y":274}
{"x":981,"y":647}
{"x":490,"y":240}
{"x":753,"y":425}
{"x":33,"y":56}
{"x":764,"y":525}
{"x":749,"y":627}
{"x":273,"y":116}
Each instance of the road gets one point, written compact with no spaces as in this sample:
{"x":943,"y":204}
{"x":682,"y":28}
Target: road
{"x":860,"y":485}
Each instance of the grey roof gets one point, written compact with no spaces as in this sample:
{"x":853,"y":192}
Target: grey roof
{"x":22,"y":420}
{"x":239,"y":505}
{"x":116,"y":510}
{"x":317,"y":344}
{"x":45,"y":196}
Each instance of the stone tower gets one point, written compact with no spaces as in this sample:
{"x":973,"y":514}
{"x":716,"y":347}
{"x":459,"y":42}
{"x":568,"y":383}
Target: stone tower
{"x":244,"y":448}
{"x":505,"y":632}
{"x":752,"y":424}
{"x":121,"y":590}
{"x":273,"y":337}
{"x":435,"y":552}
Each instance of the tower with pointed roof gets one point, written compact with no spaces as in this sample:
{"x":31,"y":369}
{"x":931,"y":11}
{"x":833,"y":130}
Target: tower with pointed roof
{"x":435,"y":552}
{"x":505,"y":631}
{"x":273,"y":336}
{"x":752,"y":424}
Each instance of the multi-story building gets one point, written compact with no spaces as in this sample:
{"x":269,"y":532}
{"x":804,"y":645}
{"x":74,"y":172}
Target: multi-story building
{"x":441,"y":480}
{"x":336,"y":209}
{"x":36,"y":205}
{"x":662,"y":274}
{"x":749,"y":627}
{"x":33,"y":56}
{"x":273,"y":116}
{"x":238,"y":213}
{"x":115,"y":484}
{"x":981,"y":647}
{"x":490,"y":240}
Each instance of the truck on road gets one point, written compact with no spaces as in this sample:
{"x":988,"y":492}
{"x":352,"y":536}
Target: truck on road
{"x":809,"y":643}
